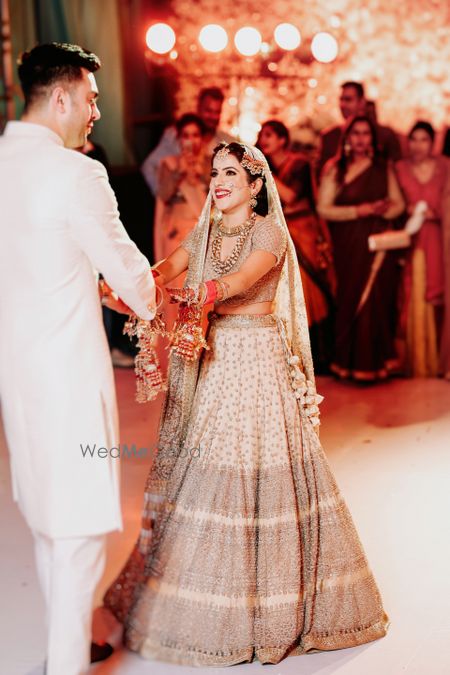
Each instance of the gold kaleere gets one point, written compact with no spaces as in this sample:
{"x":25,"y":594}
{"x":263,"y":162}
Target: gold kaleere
{"x":149,"y":377}
{"x":186,"y":339}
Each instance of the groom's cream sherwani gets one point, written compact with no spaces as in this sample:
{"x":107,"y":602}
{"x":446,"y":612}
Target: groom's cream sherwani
{"x":59,"y":222}
{"x":60,"y":225}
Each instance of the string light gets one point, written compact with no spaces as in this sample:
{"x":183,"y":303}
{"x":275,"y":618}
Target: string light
{"x":160,"y":38}
{"x":287,"y":36}
{"x":248,"y":41}
{"x":213,"y":38}
{"x":324,"y":47}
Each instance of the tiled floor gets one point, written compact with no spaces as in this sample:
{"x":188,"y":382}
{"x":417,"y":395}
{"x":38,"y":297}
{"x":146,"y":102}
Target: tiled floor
{"x":389,"y":446}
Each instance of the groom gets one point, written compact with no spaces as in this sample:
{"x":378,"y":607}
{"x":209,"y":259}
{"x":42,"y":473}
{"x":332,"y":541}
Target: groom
{"x":59,"y":227}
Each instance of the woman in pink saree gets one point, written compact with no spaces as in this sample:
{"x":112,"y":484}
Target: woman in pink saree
{"x":426,"y":281}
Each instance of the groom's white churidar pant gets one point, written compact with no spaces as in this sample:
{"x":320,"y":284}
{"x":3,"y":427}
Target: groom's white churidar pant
{"x":69,"y":570}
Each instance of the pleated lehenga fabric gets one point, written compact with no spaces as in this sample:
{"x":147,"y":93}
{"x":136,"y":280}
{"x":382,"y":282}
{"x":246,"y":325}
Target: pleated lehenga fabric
{"x":252,"y":553}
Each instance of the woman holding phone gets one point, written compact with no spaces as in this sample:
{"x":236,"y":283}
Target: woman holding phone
{"x":183,"y":185}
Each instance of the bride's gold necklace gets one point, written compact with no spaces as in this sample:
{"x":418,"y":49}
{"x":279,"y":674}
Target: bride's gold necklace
{"x":241,"y":231}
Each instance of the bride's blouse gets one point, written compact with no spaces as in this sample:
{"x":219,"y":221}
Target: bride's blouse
{"x":266,"y":235}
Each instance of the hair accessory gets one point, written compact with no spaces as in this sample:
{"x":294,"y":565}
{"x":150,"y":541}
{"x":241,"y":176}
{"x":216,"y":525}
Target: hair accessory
{"x":255,"y":166}
{"x":223,"y":152}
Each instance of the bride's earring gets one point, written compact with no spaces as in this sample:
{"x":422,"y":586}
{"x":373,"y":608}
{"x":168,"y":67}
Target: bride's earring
{"x":253,"y":202}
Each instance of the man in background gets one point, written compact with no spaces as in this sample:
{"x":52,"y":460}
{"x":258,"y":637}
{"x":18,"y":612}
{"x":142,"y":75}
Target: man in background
{"x":352,"y":102}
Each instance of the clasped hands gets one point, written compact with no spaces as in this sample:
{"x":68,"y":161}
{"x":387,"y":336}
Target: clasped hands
{"x":207,"y":292}
{"x":111,"y":300}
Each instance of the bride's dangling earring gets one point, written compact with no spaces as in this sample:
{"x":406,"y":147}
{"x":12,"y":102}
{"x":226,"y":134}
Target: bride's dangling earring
{"x":253,"y":202}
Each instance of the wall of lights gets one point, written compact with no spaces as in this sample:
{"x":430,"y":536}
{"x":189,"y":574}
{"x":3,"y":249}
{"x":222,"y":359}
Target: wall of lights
{"x":271,"y":67}
{"x":248,"y":41}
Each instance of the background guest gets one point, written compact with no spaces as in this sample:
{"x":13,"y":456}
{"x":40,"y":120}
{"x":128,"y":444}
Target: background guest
{"x":353,"y":102}
{"x":183,"y":181}
{"x":293,"y":177}
{"x":424,"y":176}
{"x":209,"y":109}
{"x":358,"y":194}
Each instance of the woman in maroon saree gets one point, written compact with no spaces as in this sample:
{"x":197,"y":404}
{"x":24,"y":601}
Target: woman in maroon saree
{"x":358,"y":195}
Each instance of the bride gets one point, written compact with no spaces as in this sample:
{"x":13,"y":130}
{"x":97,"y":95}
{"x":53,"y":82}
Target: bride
{"x":247,"y":550}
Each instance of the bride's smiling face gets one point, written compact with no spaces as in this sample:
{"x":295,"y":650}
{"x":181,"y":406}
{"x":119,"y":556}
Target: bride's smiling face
{"x":229,"y":183}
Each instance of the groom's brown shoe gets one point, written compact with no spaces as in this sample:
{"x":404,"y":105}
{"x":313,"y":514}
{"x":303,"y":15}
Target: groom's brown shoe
{"x":100,"y":652}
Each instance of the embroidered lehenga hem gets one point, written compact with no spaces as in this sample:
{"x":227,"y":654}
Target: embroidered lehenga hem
{"x":178,"y":655}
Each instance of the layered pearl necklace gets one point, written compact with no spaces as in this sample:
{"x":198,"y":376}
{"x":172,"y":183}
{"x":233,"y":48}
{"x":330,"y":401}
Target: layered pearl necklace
{"x":241,"y":231}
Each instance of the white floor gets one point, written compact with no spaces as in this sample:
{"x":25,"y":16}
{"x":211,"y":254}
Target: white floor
{"x":389,"y":446}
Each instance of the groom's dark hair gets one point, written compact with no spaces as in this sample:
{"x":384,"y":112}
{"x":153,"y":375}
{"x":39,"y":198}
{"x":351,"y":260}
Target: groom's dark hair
{"x":45,"y":65}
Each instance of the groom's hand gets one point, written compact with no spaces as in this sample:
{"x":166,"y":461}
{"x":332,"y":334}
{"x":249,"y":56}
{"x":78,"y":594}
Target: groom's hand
{"x":111,"y":300}
{"x":116,"y":304}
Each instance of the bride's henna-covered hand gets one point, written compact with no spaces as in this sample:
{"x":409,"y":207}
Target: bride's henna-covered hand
{"x":187,"y":295}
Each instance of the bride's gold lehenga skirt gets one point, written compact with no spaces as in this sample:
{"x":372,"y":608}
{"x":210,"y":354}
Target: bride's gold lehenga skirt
{"x":259,"y":557}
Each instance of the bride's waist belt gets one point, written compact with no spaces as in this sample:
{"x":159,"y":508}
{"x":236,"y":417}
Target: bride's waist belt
{"x":242,"y":320}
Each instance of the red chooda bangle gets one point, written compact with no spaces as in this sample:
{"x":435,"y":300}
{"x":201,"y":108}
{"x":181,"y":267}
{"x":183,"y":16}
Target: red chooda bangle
{"x":211,"y":292}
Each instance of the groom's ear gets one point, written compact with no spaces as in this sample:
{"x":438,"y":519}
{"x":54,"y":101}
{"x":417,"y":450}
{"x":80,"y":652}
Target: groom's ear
{"x":59,"y":100}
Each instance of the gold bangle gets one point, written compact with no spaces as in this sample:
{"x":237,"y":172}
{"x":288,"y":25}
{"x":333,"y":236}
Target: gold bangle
{"x":202,"y":293}
{"x":105,"y":290}
{"x":222,"y":294}
{"x":158,"y":275}
{"x":101,"y":288}
{"x":160,"y":303}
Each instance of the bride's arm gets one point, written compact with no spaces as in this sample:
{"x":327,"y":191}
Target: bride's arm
{"x":267,"y":247}
{"x":169,"y":268}
{"x":256,"y":266}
